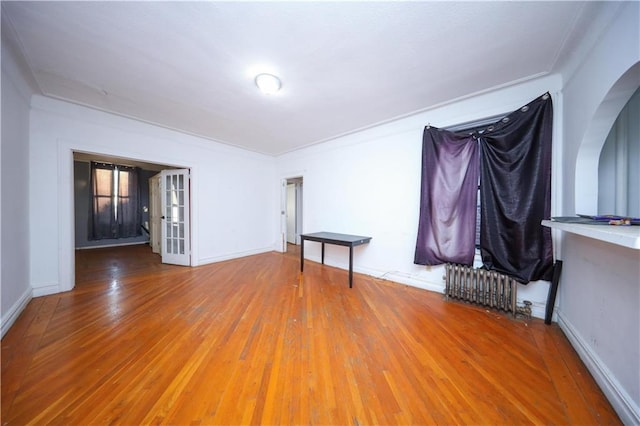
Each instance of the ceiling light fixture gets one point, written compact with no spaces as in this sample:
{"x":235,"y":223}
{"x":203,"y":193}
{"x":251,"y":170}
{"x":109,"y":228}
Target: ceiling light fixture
{"x":268,"y":83}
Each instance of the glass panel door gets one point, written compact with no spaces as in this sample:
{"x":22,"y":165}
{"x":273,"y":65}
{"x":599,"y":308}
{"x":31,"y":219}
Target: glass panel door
{"x":175,"y":220}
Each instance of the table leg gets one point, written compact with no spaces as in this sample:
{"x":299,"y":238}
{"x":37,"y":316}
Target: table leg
{"x":323,"y":253}
{"x":350,"y":266}
{"x":302,"y":255}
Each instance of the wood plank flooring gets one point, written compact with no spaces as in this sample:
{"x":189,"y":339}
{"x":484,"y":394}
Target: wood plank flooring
{"x":251,"y":341}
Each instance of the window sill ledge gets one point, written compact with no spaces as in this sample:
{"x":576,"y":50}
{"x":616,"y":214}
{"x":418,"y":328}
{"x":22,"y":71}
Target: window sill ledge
{"x":626,"y":236}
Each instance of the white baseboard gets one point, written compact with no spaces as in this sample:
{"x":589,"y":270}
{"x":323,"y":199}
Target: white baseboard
{"x":14,"y":312}
{"x":46,"y":290}
{"x":136,"y":243}
{"x":236,"y":255}
{"x":622,"y":403}
{"x":538,"y":308}
{"x":412,"y":280}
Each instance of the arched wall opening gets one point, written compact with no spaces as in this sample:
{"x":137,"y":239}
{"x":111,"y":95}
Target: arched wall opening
{"x":587,"y":162}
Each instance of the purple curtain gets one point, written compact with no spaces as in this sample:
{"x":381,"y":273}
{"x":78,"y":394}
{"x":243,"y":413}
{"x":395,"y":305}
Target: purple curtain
{"x":516,"y":193}
{"x":448,"y":199}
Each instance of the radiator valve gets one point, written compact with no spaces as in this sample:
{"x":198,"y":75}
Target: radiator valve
{"x":525,"y":310}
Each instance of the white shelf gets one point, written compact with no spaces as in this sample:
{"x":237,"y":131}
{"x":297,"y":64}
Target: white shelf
{"x":626,"y":236}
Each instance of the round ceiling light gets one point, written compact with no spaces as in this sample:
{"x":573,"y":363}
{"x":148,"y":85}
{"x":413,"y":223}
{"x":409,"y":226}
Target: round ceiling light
{"x":268,"y":83}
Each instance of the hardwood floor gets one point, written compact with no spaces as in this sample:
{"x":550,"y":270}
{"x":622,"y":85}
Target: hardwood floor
{"x":251,"y":341}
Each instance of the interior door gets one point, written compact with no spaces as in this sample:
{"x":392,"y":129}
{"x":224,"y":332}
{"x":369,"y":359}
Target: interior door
{"x":175,"y":228}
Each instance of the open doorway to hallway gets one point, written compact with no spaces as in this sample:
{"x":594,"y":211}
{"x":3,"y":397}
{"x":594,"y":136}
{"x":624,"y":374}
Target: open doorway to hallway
{"x":83,"y":202}
{"x":292,"y":211}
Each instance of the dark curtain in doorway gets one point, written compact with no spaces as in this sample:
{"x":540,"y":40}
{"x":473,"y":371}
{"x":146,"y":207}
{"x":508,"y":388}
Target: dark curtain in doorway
{"x":129,"y":212}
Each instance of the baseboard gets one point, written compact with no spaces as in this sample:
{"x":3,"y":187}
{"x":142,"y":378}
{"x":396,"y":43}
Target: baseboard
{"x":425,"y":283}
{"x":622,"y":403}
{"x":411,"y":280}
{"x":135,"y":243}
{"x":236,"y":255}
{"x":46,"y":290}
{"x":14,"y":312}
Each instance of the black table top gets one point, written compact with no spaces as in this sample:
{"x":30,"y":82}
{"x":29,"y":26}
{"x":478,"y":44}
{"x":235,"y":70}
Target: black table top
{"x":332,"y":237}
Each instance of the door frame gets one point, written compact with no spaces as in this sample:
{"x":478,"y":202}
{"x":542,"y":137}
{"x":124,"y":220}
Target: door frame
{"x":299,"y":180}
{"x":155,"y":211}
{"x":66,"y":210}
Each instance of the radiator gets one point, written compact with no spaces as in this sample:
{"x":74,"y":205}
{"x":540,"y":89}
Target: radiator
{"x":480,"y":286}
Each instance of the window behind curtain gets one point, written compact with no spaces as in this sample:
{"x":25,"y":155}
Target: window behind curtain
{"x":102,"y":219}
{"x":515,"y":188}
{"x":470,"y":128}
{"x":115,"y":205}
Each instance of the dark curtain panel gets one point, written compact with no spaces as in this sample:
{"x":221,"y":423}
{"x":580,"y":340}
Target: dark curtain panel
{"x":516,"y":193}
{"x":115,"y":202}
{"x":102,"y":221}
{"x":128,"y":212}
{"x":448,"y":198}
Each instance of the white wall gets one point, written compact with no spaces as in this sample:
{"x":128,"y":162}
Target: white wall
{"x":600,"y":283}
{"x":368,"y":183}
{"x":14,"y":178}
{"x":234,"y":206}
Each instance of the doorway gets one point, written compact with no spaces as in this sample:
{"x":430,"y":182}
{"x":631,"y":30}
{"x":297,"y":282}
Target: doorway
{"x":82,"y":204}
{"x":292,"y":212}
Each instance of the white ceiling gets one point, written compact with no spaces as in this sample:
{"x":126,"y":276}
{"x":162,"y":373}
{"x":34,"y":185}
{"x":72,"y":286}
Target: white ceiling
{"x":345,"y":66}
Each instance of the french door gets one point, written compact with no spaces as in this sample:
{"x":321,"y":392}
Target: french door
{"x":175,"y":227}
